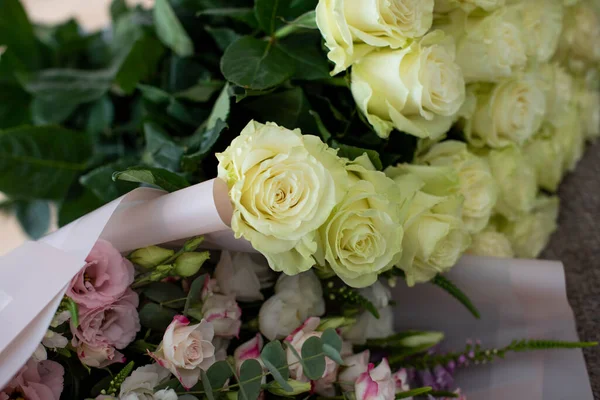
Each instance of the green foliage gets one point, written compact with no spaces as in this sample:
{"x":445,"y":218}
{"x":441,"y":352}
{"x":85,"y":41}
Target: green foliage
{"x":413,"y":392}
{"x":193,"y":302}
{"x":34,"y":217}
{"x":159,"y":177}
{"x":349,"y":297}
{"x":170,"y":31}
{"x":165,"y":293}
{"x":275,"y":359}
{"x":455,"y":292}
{"x":155,"y":316}
{"x":117,"y":381}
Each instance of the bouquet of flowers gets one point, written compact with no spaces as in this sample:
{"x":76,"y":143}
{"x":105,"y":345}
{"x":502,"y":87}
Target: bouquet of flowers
{"x":452,"y":125}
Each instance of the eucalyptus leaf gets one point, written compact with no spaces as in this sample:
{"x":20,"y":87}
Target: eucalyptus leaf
{"x":256,"y":64}
{"x":34,"y":217}
{"x":41,"y":162}
{"x":195,"y":293}
{"x":208,"y":391}
{"x":158,"y":177}
{"x":155,"y":317}
{"x":170,"y":31}
{"x":218,"y":374}
{"x":313,"y":358}
{"x":250,"y":379}
{"x":165,"y":293}
{"x":275,"y":359}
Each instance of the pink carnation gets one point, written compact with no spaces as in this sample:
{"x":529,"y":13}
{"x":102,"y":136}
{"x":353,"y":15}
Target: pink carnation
{"x":36,"y":381}
{"x":104,"y":278}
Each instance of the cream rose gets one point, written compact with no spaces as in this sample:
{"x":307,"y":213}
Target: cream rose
{"x":186,"y":349}
{"x":509,"y":112}
{"x":475,"y":180}
{"x":352,"y":28}
{"x":363,"y":236}
{"x":540,"y":22}
{"x":283,"y":186}
{"x":559,"y":88}
{"x":434,"y":234}
{"x":579,"y":46}
{"x":444,"y":6}
{"x":418,"y":89}
{"x":547,"y":157}
{"x":491,"y":243}
{"x":488,"y":48}
{"x":588,"y":102}
{"x":530,"y":233}
{"x":571,"y":139}
{"x":516,"y":180}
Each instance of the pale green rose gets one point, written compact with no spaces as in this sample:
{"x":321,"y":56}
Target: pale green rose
{"x":547,"y":157}
{"x":417,"y":90}
{"x":559,"y":88}
{"x":489,"y":47}
{"x":571,"y":138}
{"x":476,"y":183}
{"x":588,"y":102}
{"x":445,"y":6}
{"x":531,"y":232}
{"x":283,"y":186}
{"x":353,"y":27}
{"x":434,"y":234}
{"x":579,"y":47}
{"x":540,"y":22}
{"x":490,"y":243}
{"x":363,"y":235}
{"x":516,"y":182}
{"x":507,"y":113}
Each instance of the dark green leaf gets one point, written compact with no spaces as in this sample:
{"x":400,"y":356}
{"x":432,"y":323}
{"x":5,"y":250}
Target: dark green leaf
{"x":269,"y":13}
{"x":158,"y":177}
{"x":285,"y":108}
{"x":245,"y":15}
{"x":16,"y":32}
{"x":99,"y":181}
{"x":223,"y":37}
{"x":220,"y":110}
{"x":308,"y":20}
{"x":413,"y":392}
{"x":275,"y":359}
{"x":101,"y":117}
{"x":34,"y":217}
{"x":14,"y":106}
{"x":208,"y":390}
{"x":155,"y":317}
{"x":195,"y":293}
{"x":154,"y":94}
{"x":313,"y":358}
{"x":170,"y":31}
{"x":201,"y":92}
{"x":201,"y":144}
{"x":45,"y":112}
{"x":455,"y":292}
{"x":166,"y":293}
{"x":77,"y":206}
{"x":117,"y":9}
{"x":160,"y":150}
{"x":256,"y":64}
{"x":218,"y":373}
{"x":185,"y":73}
{"x":140,"y":63}
{"x":41,"y":162}
{"x":352,"y":152}
{"x":309,"y":59}
{"x":250,"y":379}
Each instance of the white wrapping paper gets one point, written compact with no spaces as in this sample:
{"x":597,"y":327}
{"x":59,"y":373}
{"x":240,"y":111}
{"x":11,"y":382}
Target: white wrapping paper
{"x":517,"y":298}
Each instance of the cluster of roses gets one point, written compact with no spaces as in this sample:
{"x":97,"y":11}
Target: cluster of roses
{"x":517,"y":78}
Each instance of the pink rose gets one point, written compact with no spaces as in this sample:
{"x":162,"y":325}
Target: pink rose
{"x":103,"y":329}
{"x":249,"y":351}
{"x":376,"y":383}
{"x":324,"y":385}
{"x":224,"y":314}
{"x":185,"y":349}
{"x":357,"y":365}
{"x":104,"y":278}
{"x":36,"y":381}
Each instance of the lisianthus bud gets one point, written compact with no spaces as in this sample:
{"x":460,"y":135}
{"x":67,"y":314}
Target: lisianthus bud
{"x":151,"y":256}
{"x":422,"y":338}
{"x":189,"y":264}
{"x":297,"y":388}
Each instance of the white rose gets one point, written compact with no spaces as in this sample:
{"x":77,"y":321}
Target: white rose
{"x":376,"y":383}
{"x":530,"y":233}
{"x":490,"y":243}
{"x":243,"y":275}
{"x":588,"y":102}
{"x":417,"y":90}
{"x":540,"y":22}
{"x":143,"y":380}
{"x":509,"y":112}
{"x":283,"y":186}
{"x":547,"y":157}
{"x":516,"y":180}
{"x":296,"y":298}
{"x":350,"y":28}
{"x":185,"y":349}
{"x":488,"y":48}
{"x":444,"y":6}
{"x":475,"y":179}
{"x":579,"y":46}
{"x":559,"y":88}
{"x":297,"y":340}
{"x":224,"y":314}
{"x":356,"y":365}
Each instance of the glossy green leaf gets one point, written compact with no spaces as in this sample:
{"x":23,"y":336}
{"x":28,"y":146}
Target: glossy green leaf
{"x":242,"y":14}
{"x":99,"y":181}
{"x":158,"y":177}
{"x":170,"y":31}
{"x":201,"y":92}
{"x":166,"y":294}
{"x":250,"y":379}
{"x":270,"y":13}
{"x":195,"y":293}
{"x":34,"y":217}
{"x":310,"y":61}
{"x":289,"y":108}
{"x":160,"y":150}
{"x":41,"y":162}
{"x":256,"y":64}
{"x":223,"y":37}
{"x":352,"y":152}
{"x":101,"y":117}
{"x":275,"y":359}
{"x":155,"y":317}
{"x":44,"y":112}
{"x":140,"y":63}
{"x":220,"y":110}
{"x":200,"y":145}
{"x":313,"y":358}
{"x":16,"y":32}
{"x":323,"y":131}
{"x":14,"y":106}
{"x":77,"y":205}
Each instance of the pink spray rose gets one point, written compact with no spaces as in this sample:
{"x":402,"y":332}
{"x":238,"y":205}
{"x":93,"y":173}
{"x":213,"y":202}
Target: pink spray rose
{"x":36,"y":381}
{"x":357,"y":365}
{"x":377,"y":383}
{"x":104,"y":278}
{"x":249,"y":351}
{"x":224,"y":314}
{"x":186,"y":349}
{"x":104,"y":328}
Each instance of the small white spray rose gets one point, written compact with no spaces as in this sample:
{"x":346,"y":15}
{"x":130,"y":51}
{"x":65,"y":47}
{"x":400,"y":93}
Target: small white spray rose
{"x":243,"y":275}
{"x":377,"y":383}
{"x":143,"y":380}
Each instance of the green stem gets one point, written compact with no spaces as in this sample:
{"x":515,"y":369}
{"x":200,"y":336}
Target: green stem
{"x":172,"y":301}
{"x":285,"y":31}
